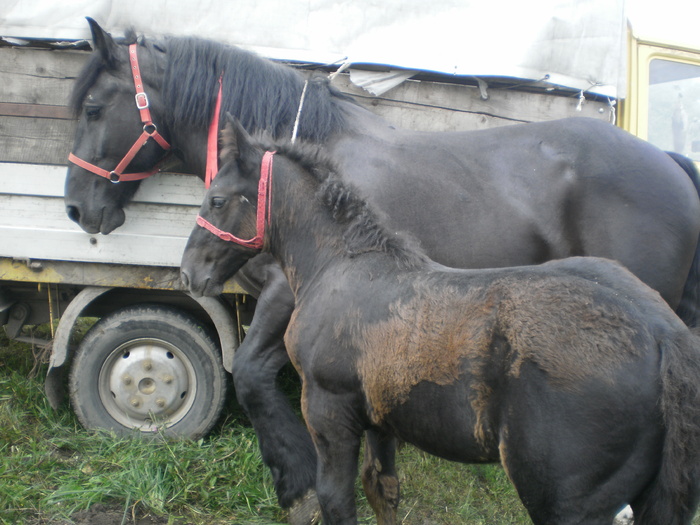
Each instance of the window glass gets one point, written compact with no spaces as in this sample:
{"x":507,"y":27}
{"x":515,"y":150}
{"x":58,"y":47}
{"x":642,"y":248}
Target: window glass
{"x":674,"y":107}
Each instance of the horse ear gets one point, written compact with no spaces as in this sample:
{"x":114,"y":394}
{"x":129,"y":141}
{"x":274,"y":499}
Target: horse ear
{"x":103,"y":42}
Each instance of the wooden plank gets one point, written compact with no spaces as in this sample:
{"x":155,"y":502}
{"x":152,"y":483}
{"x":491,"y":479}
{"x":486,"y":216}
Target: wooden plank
{"x":43,"y":180}
{"x":10,"y":109}
{"x":35,"y":124}
{"x":37,"y":227}
{"x":32,"y":179}
{"x":141,"y":219}
{"x":434,"y":106}
{"x":37,"y":76}
{"x":172,"y":188}
{"x":63,"y":272}
{"x":117,"y":248}
{"x":96,"y":274}
{"x":35,"y":140}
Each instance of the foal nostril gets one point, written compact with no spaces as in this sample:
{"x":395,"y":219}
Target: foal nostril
{"x":73,"y":213}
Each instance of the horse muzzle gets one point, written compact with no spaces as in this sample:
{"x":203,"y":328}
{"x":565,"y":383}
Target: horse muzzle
{"x":97,"y":221}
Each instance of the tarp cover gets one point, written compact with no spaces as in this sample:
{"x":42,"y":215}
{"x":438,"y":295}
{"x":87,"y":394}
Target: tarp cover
{"x":579,"y":44}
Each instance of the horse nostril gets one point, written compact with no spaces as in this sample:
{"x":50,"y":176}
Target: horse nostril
{"x":73,"y":213}
{"x":185,"y":279}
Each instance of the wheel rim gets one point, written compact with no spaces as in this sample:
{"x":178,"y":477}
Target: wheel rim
{"x":148,"y":384}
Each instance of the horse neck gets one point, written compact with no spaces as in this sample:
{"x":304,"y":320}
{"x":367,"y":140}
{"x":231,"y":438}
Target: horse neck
{"x":264,"y":96}
{"x":191,"y":146}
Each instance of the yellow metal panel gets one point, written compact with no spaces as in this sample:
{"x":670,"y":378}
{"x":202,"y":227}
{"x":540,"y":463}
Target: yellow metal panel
{"x":641,"y":53}
{"x":96,"y":274}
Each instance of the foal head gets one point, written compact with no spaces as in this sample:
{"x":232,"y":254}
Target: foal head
{"x":217,"y":247}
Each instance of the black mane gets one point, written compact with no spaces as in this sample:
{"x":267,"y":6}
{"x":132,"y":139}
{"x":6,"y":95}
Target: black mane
{"x":261,"y":94}
{"x":365,"y":231}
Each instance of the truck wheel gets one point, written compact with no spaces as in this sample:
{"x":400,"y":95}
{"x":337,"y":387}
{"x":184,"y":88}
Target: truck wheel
{"x":150,"y":368}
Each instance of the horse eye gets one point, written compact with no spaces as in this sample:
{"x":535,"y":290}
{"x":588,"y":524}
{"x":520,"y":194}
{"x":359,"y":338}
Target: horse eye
{"x":218,"y":202}
{"x":93,"y":112}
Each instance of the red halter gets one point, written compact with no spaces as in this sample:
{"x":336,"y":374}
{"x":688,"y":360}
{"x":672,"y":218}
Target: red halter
{"x":263,"y":211}
{"x":149,"y":131}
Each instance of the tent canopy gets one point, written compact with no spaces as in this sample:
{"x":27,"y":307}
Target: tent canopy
{"x":578,"y":44}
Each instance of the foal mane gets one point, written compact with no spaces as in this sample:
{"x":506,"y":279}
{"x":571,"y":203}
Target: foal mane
{"x":261,"y":94}
{"x":364,"y":228}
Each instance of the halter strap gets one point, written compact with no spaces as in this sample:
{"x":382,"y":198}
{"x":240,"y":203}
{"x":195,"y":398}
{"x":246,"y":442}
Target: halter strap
{"x":262,"y":213}
{"x":149,"y":131}
{"x":212,"y":167}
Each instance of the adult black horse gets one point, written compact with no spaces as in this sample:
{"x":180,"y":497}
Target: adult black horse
{"x":525,"y":365}
{"x":503,"y":197}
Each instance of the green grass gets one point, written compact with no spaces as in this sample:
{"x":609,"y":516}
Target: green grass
{"x":52,"y":469}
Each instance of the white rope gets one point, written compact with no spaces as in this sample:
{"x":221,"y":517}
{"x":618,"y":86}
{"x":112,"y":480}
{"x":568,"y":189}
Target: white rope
{"x":301,"y":105}
{"x":342,"y":68}
{"x":613,"y":115}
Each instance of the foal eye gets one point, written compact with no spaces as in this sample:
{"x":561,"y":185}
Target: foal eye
{"x":218,"y":202}
{"x":92,"y":112}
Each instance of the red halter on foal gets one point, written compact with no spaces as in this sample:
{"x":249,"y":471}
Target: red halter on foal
{"x":149,"y":131}
{"x":262,"y":214}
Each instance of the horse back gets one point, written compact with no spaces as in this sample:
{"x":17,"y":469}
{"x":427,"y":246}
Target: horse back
{"x":526,"y":194}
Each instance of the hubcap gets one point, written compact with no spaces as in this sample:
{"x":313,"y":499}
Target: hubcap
{"x":147,"y":384}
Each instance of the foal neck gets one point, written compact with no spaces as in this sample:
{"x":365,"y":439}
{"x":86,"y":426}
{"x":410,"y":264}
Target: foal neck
{"x":319,"y":222}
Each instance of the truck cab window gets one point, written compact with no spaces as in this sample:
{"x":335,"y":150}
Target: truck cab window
{"x":674,"y":106}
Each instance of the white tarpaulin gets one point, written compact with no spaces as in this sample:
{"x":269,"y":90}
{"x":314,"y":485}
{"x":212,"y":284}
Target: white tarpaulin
{"x":574,"y":43}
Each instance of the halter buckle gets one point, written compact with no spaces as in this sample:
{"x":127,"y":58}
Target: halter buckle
{"x":141,"y":100}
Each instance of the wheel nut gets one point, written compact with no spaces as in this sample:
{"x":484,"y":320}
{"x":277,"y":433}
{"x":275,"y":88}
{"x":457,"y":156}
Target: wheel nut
{"x":127,"y":380}
{"x":147,"y":365}
{"x":160,"y":402}
{"x":135,"y":402}
{"x":167,"y":379}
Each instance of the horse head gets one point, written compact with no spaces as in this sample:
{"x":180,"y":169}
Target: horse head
{"x":121,"y":134}
{"x":233,"y":204}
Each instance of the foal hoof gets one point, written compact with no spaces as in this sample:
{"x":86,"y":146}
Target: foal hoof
{"x":305,"y":510}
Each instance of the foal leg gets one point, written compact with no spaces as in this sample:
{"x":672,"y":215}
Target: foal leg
{"x":379,"y":477}
{"x":336,"y":434}
{"x":285,"y":444}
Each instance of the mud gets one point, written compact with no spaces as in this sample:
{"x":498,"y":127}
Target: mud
{"x":100,"y":514}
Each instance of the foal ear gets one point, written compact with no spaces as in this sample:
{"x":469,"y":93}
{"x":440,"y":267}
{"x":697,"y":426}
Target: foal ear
{"x":103,"y":42}
{"x":238,"y":145}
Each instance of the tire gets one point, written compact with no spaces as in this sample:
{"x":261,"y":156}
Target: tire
{"x":148,"y":367}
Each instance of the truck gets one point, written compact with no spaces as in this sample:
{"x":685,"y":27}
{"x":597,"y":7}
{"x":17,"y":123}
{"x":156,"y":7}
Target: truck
{"x":180,"y":347}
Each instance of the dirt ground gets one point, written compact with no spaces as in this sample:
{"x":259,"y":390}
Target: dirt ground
{"x":104,"y":515}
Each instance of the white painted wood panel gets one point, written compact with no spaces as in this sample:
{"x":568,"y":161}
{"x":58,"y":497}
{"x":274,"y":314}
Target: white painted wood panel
{"x":34,"y":224}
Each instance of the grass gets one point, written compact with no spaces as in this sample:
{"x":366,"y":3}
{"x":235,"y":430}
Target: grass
{"x":52,"y":471}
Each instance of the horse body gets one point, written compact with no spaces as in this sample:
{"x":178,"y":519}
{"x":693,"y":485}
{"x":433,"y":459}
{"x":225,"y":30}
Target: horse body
{"x":546,"y":195}
{"x":526,"y":366}
{"x":529,"y":193}
{"x":511,"y":196}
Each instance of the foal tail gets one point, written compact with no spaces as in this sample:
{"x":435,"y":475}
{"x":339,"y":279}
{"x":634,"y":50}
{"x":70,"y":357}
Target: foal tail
{"x":689,"y":308}
{"x":673,"y":495}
